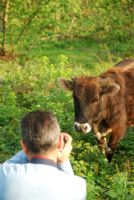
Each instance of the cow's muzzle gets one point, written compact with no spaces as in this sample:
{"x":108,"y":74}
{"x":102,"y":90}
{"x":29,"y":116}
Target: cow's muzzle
{"x":85,"y":128}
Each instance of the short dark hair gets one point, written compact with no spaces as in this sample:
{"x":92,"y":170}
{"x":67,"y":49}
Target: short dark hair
{"x":40,"y":131}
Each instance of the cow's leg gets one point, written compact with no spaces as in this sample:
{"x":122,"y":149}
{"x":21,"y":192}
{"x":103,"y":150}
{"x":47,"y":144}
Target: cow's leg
{"x":101,"y":138}
{"x":102,"y":143}
{"x":116,"y":135}
{"x":96,"y":131}
{"x":110,"y":149}
{"x":106,"y":133}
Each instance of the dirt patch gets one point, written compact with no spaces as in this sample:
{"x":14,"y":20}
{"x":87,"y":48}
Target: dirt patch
{"x":7,"y":57}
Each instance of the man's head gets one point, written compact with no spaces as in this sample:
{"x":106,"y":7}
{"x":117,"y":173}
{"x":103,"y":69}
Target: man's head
{"x":40,"y":131}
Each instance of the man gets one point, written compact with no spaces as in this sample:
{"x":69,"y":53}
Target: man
{"x":41,"y":171}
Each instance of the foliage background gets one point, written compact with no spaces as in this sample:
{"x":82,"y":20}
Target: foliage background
{"x":50,"y":39}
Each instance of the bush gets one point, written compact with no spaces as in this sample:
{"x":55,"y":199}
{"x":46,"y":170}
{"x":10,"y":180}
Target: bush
{"x":33,"y":86}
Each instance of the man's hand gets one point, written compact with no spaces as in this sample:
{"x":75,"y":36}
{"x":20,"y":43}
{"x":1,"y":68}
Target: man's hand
{"x":64,"y":153}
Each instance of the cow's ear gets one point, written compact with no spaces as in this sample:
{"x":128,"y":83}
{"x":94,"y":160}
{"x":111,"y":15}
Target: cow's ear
{"x":108,"y":86}
{"x":65,"y":84}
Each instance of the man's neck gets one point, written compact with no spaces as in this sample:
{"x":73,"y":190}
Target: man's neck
{"x":50,"y":156}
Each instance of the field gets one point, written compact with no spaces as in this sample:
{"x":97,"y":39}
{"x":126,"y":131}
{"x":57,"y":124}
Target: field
{"x":29,"y":83}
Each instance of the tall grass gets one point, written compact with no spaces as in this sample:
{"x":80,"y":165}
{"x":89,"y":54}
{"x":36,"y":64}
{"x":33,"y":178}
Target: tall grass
{"x":29,"y":83}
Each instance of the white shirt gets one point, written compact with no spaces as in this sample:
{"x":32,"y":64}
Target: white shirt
{"x":20,"y":180}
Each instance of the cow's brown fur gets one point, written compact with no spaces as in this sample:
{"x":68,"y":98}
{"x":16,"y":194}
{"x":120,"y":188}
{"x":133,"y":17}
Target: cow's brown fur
{"x":107,"y":101}
{"x":127,"y":62}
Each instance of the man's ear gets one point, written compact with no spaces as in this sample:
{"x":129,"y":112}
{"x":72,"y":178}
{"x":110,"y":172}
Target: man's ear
{"x":24,"y":147}
{"x":60,"y":144}
{"x":108,"y":86}
{"x":65,"y":84}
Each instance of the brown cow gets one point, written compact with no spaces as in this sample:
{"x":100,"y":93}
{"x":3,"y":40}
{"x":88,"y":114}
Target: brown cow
{"x":127,"y":62}
{"x":105,"y":104}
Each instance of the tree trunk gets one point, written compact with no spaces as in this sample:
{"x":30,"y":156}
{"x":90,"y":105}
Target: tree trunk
{"x":4,"y":26}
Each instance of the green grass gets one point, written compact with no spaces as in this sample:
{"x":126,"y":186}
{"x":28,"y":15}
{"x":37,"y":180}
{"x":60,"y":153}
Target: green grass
{"x":29,"y":83}
{"x":85,"y":52}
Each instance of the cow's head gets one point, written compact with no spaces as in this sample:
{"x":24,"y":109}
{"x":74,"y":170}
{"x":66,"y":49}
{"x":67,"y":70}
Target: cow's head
{"x":87,"y":95}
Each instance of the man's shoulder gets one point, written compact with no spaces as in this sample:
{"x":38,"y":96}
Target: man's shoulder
{"x":43,"y":177}
{"x":24,"y":168}
{"x":73,"y":182}
{"x":37,"y":171}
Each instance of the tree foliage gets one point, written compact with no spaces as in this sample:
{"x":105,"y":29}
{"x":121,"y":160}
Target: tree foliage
{"x":32,"y":21}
